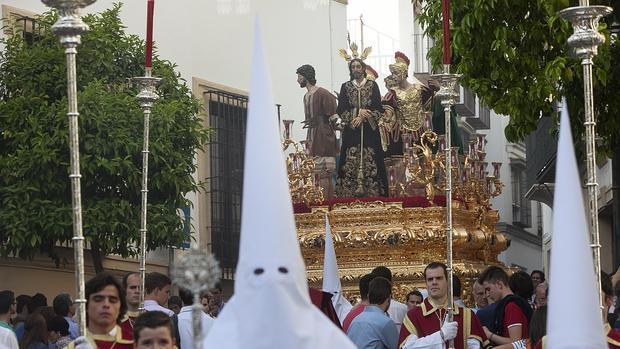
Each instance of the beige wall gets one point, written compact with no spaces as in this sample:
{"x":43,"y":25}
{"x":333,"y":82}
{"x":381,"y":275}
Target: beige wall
{"x":42,"y":275}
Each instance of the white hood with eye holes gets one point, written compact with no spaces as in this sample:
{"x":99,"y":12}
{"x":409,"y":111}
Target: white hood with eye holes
{"x":270,"y":307}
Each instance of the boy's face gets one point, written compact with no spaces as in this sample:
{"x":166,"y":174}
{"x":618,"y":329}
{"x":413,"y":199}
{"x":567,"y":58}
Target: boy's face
{"x":155,"y":338}
{"x":104,"y":307}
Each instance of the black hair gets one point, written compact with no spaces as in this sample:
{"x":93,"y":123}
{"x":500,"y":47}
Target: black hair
{"x":351,"y":70}
{"x":154,"y":281}
{"x":521,"y":284}
{"x":493,"y":274}
{"x":307,"y":71}
{"x":7,"y":298}
{"x":365,"y":284}
{"x":22,"y":301}
{"x":99,"y":282}
{"x":383,"y":272}
{"x":539,"y":272}
{"x":37,"y":301}
{"x":380,"y":290}
{"x":152,"y":320}
{"x":61,"y":304}
{"x":435,"y":265}
{"x":414,"y":293}
{"x":175,"y":300}
{"x":58,"y":324}
{"x":186,"y":296}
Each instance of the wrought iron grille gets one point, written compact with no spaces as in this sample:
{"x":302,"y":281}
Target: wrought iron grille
{"x":227,"y":115}
{"x":28,"y":28}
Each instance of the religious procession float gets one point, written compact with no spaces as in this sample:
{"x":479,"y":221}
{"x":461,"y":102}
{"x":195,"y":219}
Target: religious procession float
{"x":405,"y":226}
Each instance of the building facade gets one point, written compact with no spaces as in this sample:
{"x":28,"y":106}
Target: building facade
{"x":541,"y":160}
{"x":520,"y":220}
{"x":211,"y":42}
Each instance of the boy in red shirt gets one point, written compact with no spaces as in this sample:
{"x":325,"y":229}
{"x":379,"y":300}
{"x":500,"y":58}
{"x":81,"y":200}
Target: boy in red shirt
{"x":512,"y":313}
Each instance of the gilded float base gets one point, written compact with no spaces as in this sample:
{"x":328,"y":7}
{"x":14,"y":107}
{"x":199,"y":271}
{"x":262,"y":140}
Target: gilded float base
{"x":405,"y":239}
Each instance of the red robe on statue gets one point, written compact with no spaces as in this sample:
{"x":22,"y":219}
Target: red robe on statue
{"x":426,"y":319}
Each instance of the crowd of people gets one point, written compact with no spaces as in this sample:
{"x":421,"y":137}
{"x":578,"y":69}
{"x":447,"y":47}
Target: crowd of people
{"x":113,"y":316}
{"x":506,"y":312}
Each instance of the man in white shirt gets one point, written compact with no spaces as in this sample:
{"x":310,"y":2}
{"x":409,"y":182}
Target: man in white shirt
{"x":185,"y":325}
{"x":397,"y":310}
{"x":8,"y":339}
{"x":7,"y":308}
{"x":157,"y":292}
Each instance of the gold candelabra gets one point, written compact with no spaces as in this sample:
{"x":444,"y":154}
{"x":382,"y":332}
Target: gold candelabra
{"x":304,"y":182}
{"x":475,"y":185}
{"x":422,"y":168}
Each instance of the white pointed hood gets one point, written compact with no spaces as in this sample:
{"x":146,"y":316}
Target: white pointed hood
{"x":331,"y":279}
{"x":571,"y":266}
{"x":271,"y":306}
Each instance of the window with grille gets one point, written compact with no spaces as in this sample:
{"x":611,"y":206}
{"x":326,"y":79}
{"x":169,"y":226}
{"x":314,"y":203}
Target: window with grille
{"x":521,"y":206}
{"x":227,"y":113}
{"x":20,"y":22}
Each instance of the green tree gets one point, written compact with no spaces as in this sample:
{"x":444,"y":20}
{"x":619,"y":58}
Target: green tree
{"x":514,"y":56}
{"x":35,"y":211}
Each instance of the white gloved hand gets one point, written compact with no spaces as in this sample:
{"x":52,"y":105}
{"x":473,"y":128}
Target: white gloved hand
{"x":449,"y":330}
{"x":82,"y":343}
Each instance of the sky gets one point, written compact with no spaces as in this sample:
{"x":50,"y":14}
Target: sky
{"x":381,"y":31}
{"x":378,"y":15}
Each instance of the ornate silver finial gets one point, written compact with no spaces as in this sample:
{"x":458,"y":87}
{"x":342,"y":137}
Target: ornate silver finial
{"x":447,"y":95}
{"x":147,"y":86}
{"x":585,"y":38}
{"x":69,"y":27}
{"x":197,"y":270}
{"x":147,"y":96}
{"x":447,"y":91}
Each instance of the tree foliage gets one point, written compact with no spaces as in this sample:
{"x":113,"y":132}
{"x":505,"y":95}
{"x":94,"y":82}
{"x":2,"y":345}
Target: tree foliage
{"x":514,"y":56}
{"x":35,"y":211}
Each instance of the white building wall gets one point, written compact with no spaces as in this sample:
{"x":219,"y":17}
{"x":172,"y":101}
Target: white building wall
{"x":522,"y":254}
{"x":604,"y":180}
{"x":217,"y":47}
{"x":496,"y":149}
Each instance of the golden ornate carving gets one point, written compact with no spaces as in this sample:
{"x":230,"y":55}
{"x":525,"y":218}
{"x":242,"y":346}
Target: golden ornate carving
{"x":300,"y":167}
{"x":405,"y":239}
